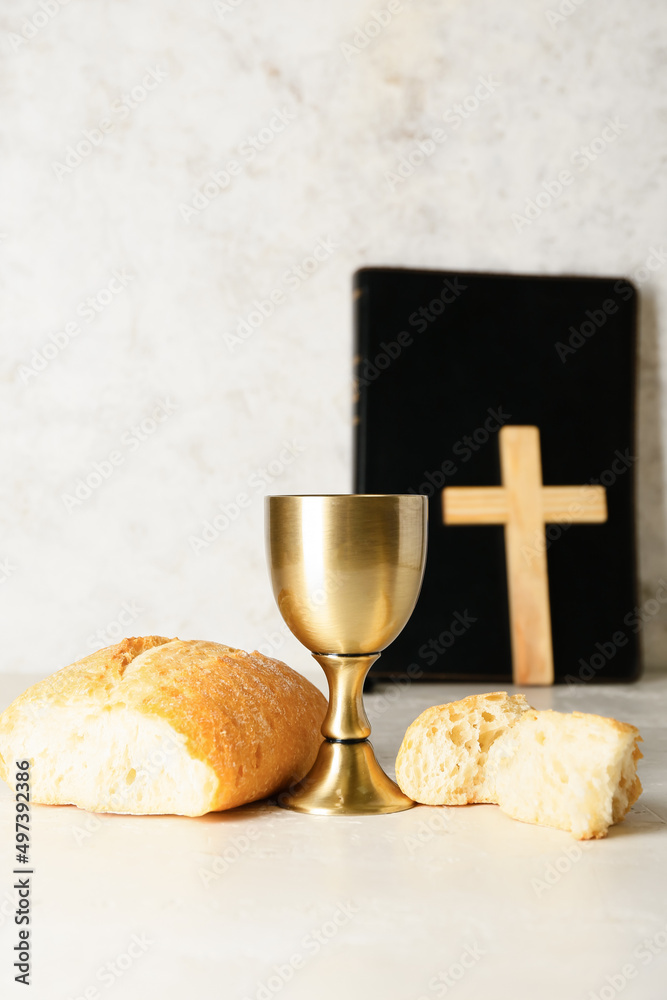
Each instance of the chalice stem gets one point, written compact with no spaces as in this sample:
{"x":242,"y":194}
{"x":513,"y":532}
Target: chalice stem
{"x":346,"y":718}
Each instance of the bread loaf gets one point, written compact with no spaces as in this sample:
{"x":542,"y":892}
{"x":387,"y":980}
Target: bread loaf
{"x":573,"y":771}
{"x":156,"y":725}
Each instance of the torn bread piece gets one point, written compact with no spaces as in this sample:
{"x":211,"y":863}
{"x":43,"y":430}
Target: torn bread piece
{"x":442,"y":760}
{"x":573,"y":771}
{"x":156,"y":725}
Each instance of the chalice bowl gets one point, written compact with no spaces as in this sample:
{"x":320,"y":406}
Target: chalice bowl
{"x":346,"y":573}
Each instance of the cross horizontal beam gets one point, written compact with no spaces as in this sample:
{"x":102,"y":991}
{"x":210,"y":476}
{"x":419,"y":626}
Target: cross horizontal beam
{"x":490,"y":505}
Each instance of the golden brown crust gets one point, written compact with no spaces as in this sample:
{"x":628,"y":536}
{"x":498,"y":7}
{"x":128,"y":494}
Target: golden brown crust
{"x":253,"y":720}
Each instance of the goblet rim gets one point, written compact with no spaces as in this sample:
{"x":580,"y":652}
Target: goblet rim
{"x":333,"y":496}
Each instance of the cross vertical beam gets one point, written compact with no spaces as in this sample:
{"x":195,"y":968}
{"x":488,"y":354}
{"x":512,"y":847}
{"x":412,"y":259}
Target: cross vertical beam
{"x":523,"y":505}
{"x":527,"y":579}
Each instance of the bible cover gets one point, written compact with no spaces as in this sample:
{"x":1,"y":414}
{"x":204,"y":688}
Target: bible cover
{"x":443,"y":360}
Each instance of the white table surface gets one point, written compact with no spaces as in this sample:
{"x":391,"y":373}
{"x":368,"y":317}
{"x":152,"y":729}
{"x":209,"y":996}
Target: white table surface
{"x":433,"y":902}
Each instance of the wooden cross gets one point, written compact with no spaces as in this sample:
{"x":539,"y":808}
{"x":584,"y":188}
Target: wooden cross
{"x":525,"y":506}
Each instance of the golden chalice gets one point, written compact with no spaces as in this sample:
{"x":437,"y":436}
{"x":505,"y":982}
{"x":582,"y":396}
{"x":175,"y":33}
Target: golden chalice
{"x":346,"y":573}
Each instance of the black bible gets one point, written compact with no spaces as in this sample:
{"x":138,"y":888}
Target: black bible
{"x":444,"y":360}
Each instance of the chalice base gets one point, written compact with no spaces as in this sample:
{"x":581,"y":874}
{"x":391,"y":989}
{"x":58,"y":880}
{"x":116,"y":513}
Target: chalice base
{"x":346,"y":780}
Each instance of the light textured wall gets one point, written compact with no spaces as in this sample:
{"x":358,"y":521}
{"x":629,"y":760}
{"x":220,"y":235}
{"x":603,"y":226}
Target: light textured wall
{"x":336,"y":110}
